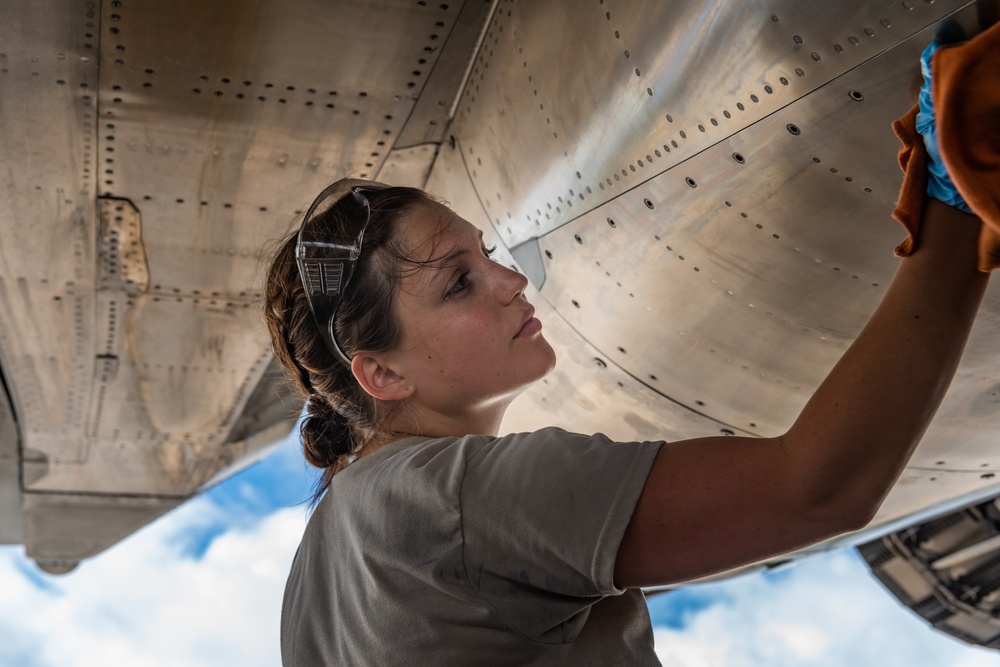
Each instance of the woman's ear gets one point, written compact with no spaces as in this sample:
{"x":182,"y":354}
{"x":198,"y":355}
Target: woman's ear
{"x":378,"y":380}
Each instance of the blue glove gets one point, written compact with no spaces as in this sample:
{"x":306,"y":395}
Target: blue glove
{"x":939,"y":183}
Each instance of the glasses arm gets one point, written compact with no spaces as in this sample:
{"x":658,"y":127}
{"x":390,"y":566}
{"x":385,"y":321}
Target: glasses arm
{"x":326,"y":267}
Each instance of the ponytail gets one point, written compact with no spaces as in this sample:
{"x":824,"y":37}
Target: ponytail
{"x":326,"y":435}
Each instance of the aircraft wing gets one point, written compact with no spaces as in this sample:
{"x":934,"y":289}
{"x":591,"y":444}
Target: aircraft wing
{"x":699,"y":192}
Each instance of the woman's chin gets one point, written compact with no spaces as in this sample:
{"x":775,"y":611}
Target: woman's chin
{"x":551,"y":359}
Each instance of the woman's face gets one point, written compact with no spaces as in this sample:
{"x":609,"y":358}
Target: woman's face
{"x":469,"y":337}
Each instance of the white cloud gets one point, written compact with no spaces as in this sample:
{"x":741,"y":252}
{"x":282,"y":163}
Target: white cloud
{"x":145,"y":603}
{"x":825,"y":612}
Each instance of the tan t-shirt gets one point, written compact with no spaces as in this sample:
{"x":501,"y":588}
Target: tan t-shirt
{"x":472,"y":551}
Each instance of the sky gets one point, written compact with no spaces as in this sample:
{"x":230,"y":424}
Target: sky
{"x":202,"y":586}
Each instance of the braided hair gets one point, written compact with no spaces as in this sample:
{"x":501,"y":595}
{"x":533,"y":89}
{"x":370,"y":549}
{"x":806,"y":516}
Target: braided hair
{"x":342,"y":417}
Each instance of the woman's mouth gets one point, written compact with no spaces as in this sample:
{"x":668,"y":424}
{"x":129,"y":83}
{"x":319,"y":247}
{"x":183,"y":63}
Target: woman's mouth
{"x":530,"y":328}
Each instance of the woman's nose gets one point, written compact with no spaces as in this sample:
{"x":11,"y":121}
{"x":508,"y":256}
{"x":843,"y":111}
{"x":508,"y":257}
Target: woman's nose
{"x":513,"y":283}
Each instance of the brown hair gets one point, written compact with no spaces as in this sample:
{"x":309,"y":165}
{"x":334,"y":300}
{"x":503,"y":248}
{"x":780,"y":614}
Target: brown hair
{"x":342,"y":417}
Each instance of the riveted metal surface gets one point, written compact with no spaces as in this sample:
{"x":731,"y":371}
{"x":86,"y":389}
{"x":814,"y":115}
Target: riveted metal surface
{"x":11,"y":531}
{"x":759,"y":276}
{"x":122,"y":264}
{"x":432,"y":112}
{"x":550,"y":132}
{"x":48,"y":88}
{"x":409,"y":166}
{"x":220,"y":137}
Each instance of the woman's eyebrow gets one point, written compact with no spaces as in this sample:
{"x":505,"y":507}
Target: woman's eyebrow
{"x":457,"y":252}
{"x":443,"y":268}
{"x":448,"y":259}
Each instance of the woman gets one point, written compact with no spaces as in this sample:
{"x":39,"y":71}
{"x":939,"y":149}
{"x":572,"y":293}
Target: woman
{"x":437,"y":542}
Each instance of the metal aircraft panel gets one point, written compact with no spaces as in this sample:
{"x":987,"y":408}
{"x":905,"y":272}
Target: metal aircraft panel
{"x":11,"y":531}
{"x":781,"y":231}
{"x":548,"y":132}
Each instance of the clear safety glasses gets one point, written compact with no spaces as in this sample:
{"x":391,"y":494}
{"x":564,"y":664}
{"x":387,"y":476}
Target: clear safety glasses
{"x":327,"y":259}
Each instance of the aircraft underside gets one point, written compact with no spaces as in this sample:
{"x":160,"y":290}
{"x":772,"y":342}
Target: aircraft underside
{"x":699,"y":192}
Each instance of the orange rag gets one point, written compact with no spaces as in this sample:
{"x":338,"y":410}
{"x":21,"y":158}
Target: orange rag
{"x":966,"y":88}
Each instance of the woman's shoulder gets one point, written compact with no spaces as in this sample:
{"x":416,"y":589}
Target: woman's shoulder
{"x":422,"y":451}
{"x":444,"y":462}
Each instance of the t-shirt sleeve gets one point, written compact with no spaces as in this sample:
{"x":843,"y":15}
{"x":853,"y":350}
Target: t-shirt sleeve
{"x":543,"y":515}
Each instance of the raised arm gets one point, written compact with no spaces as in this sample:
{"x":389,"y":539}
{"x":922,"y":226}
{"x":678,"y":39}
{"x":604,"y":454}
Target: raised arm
{"x":716,"y":503}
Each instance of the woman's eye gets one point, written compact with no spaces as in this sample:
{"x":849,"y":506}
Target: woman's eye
{"x":460,"y":284}
{"x":463,"y":280}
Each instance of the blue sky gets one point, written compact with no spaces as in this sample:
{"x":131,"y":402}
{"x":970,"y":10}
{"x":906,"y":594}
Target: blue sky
{"x":202,"y":587}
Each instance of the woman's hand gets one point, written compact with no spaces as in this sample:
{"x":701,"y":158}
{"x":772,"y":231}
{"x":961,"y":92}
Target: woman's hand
{"x":939,"y":183}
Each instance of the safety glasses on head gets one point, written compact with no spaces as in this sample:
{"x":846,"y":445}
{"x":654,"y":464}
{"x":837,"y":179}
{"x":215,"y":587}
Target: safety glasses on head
{"x":326,"y":258}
